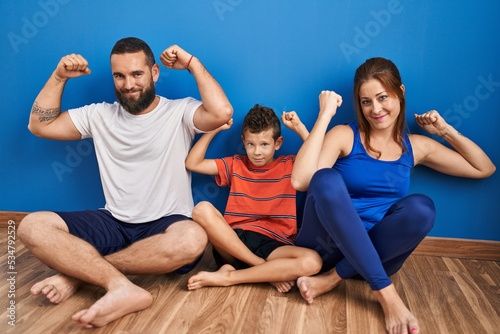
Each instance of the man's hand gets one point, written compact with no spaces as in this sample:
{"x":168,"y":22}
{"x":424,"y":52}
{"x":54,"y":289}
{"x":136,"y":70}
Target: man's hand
{"x":71,"y":66}
{"x":175,"y":57}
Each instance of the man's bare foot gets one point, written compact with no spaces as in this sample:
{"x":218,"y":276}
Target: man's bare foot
{"x":283,"y":287}
{"x":398,"y":319}
{"x":314,"y":286}
{"x":56,"y":288}
{"x":114,"y":305}
{"x":216,"y":278}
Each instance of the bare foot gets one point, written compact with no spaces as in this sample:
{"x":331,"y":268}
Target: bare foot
{"x":114,"y":305}
{"x":205,"y":278}
{"x":283,"y":287}
{"x":314,"y":286}
{"x":56,"y":288}
{"x":398,"y":319}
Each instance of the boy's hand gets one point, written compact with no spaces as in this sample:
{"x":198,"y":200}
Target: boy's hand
{"x":291,"y":120}
{"x":225,"y":126}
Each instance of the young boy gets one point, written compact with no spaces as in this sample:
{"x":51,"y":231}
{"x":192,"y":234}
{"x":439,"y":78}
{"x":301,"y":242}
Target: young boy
{"x":256,"y":234}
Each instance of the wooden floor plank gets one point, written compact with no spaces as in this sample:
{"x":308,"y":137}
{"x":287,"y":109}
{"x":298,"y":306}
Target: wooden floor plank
{"x":362,"y":310}
{"x":327,"y":314}
{"x":448,"y":295}
{"x":273,"y":316}
{"x":477,"y":302}
{"x":433,"y":298}
{"x":427,"y":297}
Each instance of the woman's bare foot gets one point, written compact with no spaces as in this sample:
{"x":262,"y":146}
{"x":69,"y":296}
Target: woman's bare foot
{"x":216,"y":278}
{"x":56,"y":288}
{"x":398,"y":319}
{"x":283,"y":287}
{"x":311,"y":287}
{"x":114,"y":305}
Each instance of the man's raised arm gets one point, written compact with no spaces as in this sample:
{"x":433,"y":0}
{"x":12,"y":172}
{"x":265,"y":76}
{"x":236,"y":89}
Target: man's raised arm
{"x":46,"y":119}
{"x":216,"y":109}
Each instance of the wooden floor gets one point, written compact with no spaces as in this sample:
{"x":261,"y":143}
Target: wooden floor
{"x":448,"y":295}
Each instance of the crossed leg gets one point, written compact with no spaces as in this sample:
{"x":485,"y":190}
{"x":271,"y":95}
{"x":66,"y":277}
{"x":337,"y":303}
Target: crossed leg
{"x":374,"y":255}
{"x":285,"y":264}
{"x":281,"y":268}
{"x":48,"y":238}
{"x":222,"y":236}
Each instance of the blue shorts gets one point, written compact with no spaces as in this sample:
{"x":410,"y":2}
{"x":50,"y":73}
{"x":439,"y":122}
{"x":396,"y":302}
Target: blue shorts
{"x":109,"y":235}
{"x":259,"y":244}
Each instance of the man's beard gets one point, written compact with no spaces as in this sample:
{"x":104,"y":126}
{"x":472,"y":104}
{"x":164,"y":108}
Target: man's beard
{"x":135,"y":107}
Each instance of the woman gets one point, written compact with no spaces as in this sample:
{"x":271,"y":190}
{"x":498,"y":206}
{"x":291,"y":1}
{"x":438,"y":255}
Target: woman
{"x":358,"y":214}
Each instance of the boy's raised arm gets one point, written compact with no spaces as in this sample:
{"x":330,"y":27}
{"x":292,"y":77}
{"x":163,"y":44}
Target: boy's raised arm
{"x":196,"y":161}
{"x":292,"y":121}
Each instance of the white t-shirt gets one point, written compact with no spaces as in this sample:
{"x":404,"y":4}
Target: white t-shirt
{"x":141,"y":157}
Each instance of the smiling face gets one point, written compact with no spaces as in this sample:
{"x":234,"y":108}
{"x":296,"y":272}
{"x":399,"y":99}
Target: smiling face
{"x":380,"y":107}
{"x":134,"y":81}
{"x":261,"y":146}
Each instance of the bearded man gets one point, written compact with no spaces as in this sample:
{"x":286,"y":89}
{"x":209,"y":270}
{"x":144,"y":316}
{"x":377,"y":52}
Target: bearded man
{"x":141,"y":143}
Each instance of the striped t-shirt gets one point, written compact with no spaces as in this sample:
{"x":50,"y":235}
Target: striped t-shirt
{"x":261,"y":199}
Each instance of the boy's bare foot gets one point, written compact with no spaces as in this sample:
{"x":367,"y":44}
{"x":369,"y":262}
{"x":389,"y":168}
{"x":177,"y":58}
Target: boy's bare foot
{"x":216,"y":278}
{"x":398,"y":319}
{"x":56,"y":288}
{"x":311,"y":287}
{"x":114,"y":305}
{"x":283,"y":287}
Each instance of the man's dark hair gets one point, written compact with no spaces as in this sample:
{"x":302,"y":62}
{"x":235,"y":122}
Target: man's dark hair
{"x":133,"y":45}
{"x":261,"y":118}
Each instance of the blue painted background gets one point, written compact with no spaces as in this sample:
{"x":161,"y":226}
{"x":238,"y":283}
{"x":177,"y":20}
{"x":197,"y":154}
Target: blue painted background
{"x":277,"y":53}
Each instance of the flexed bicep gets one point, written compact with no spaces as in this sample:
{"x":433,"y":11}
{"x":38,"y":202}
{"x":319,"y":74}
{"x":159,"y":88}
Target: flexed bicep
{"x":466,"y":159}
{"x":61,"y":127}
{"x":46,"y":119}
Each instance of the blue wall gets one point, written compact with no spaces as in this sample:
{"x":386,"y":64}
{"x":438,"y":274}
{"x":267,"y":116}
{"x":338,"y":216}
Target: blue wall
{"x":277,"y":53}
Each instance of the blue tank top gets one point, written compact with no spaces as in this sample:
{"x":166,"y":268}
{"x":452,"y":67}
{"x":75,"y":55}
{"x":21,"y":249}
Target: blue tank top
{"x":374,"y":185}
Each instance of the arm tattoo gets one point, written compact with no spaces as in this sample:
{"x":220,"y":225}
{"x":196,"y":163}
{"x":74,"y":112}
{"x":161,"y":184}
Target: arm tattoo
{"x":45,"y":115}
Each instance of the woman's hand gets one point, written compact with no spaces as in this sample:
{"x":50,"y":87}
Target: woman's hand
{"x":329,"y":101}
{"x":432,"y":122}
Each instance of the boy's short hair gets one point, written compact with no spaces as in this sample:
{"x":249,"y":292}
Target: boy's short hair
{"x":261,"y":118}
